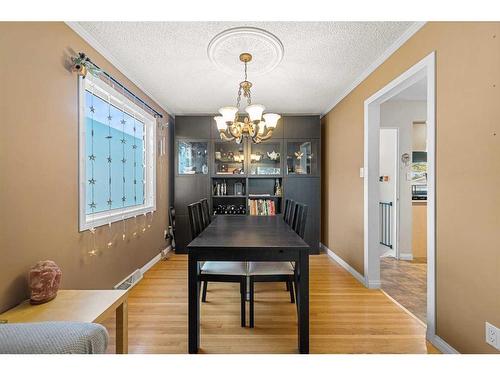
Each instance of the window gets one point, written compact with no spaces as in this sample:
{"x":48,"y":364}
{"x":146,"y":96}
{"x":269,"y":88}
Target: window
{"x":117,"y":160}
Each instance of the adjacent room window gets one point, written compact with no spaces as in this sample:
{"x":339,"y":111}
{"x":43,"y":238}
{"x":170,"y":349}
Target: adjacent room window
{"x":117,"y":160}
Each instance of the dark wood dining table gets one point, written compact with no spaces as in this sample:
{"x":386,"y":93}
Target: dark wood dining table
{"x":248,"y":238}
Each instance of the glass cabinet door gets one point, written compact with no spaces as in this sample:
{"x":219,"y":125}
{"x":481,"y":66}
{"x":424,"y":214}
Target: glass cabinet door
{"x":265,"y":158}
{"x":302,"y":157}
{"x":192,"y":157}
{"x":229,"y":158}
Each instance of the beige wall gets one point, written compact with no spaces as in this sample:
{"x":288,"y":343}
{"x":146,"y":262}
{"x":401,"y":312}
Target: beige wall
{"x":467,"y":181}
{"x":39,"y":168}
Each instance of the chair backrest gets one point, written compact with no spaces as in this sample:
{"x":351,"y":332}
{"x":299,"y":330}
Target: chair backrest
{"x":205,"y":213}
{"x":287,"y":206}
{"x":291,"y":211}
{"x":195,"y":223}
{"x":303,"y":219}
{"x":297,"y":217}
{"x":171,"y":227}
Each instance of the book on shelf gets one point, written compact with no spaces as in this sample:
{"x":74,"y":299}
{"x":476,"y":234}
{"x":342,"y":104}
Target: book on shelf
{"x":262,"y":207}
{"x":259,"y":195}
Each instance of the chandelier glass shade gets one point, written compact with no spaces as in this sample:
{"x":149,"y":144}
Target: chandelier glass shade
{"x":256,"y":125}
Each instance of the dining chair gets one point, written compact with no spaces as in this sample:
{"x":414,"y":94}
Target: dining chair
{"x":205,"y":213}
{"x":171,"y":227}
{"x":289,"y":214}
{"x":278,"y":271}
{"x":227,"y":272}
{"x":194,"y":215}
{"x":287,"y":206}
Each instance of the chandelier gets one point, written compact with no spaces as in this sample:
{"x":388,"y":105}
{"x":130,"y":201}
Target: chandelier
{"x":256,"y":126}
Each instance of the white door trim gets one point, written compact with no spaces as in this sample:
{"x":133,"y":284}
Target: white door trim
{"x":424,"y":68}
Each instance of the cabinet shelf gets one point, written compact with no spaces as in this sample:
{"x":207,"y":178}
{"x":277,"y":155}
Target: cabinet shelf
{"x":229,"y":196}
{"x":252,"y":196}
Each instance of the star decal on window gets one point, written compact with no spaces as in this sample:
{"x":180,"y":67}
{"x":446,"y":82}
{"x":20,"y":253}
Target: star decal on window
{"x":124,"y":160}
{"x":109,"y":201}
{"x":92,"y":157}
{"x":123,"y":140}
{"x":92,"y":181}
{"x":123,"y":122}
{"x":124,"y":199}
{"x":110,"y":117}
{"x":92,"y":205}
{"x":109,"y":159}
{"x":92,"y":109}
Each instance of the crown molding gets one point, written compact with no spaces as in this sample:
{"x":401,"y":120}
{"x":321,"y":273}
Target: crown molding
{"x":387,"y":53}
{"x":94,"y":43}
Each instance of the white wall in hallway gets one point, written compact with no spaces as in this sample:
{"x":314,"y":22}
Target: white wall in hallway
{"x":401,"y":114}
{"x":387,"y":166}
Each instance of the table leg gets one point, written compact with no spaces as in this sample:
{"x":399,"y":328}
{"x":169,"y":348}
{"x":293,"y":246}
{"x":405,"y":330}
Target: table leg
{"x":122,"y":328}
{"x":303,"y":302}
{"x":193,"y":306}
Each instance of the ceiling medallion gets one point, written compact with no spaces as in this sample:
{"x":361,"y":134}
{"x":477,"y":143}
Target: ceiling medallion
{"x":256,"y":126}
{"x":266,"y":48}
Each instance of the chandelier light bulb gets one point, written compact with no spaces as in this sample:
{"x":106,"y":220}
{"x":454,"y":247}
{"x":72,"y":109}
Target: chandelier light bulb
{"x":228,"y":113}
{"x":262,"y":125}
{"x":271,"y":120}
{"x":255,"y":112}
{"x":221,"y":124}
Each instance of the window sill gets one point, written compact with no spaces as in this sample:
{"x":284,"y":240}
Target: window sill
{"x":109,"y":217}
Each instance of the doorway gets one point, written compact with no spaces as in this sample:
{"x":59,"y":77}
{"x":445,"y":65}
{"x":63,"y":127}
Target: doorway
{"x":403,"y":204}
{"x":422,"y":71}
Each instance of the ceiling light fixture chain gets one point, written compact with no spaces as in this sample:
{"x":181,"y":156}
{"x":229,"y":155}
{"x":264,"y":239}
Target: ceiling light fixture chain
{"x":256,"y":126}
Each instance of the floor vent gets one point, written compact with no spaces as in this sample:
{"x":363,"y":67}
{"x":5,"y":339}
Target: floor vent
{"x":130,"y":281}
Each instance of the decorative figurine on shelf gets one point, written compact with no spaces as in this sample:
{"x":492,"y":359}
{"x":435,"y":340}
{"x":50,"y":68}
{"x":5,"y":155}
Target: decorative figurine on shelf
{"x":299,"y":154}
{"x":277,"y":188}
{"x":44,"y":279}
{"x":273,"y":155}
{"x":255,"y":157}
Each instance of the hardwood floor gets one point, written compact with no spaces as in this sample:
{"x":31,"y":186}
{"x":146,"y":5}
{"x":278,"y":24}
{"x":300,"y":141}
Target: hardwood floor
{"x":406,"y":282}
{"x":345,"y":317}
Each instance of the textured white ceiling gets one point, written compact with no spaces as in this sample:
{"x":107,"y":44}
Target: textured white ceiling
{"x":321,"y":60}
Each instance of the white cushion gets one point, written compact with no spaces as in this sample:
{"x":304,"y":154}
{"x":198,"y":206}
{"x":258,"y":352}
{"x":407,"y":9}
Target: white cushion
{"x":270,"y":268}
{"x":224,"y":268}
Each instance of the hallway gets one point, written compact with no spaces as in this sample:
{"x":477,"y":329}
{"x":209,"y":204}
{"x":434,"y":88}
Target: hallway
{"x":406,"y":282}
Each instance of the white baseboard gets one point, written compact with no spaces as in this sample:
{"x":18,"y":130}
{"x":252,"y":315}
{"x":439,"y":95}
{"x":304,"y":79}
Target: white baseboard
{"x":341,"y":262}
{"x":442,"y":345}
{"x":374,"y":284}
{"x":405,"y":256}
{"x":156,"y":259}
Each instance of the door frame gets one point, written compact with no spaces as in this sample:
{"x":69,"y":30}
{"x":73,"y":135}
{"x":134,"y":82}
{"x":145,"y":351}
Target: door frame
{"x":424,"y":68}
